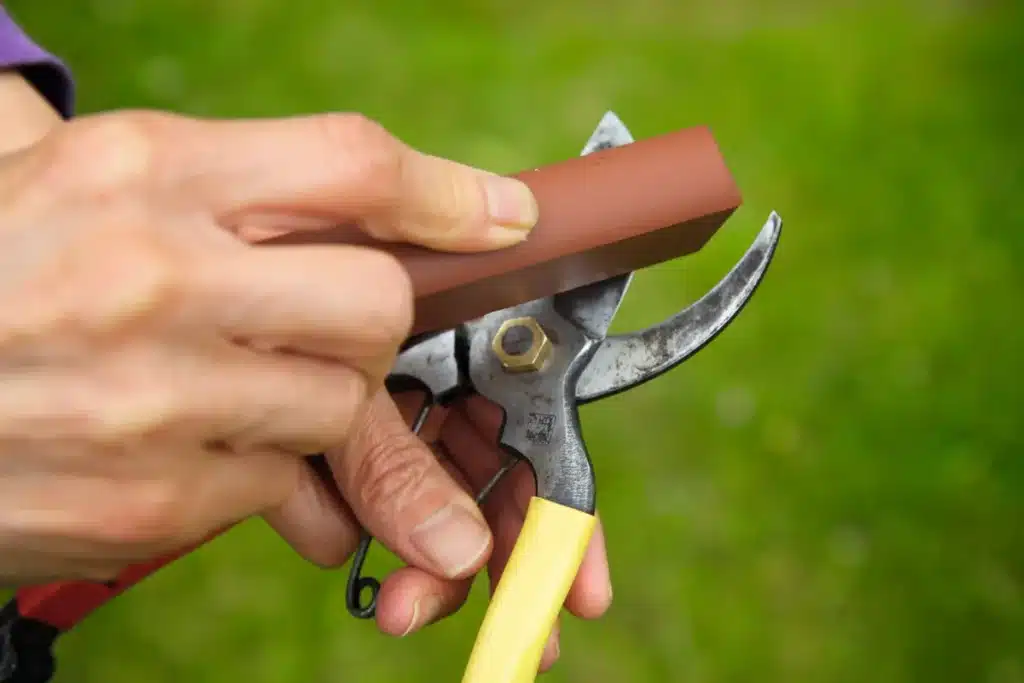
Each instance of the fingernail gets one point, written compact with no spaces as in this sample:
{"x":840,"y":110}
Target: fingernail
{"x":452,"y":538}
{"x":425,"y":610}
{"x":552,"y":650}
{"x":511,"y":205}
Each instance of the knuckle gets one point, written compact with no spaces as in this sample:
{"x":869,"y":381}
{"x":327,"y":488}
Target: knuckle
{"x":82,"y":303}
{"x":154,"y":283}
{"x":328,"y":555}
{"x":149,"y":283}
{"x":148,"y":514}
{"x":459,"y":203}
{"x":155,"y":513}
{"x":370,"y":159}
{"x":391,"y":472}
{"x":121,"y":150}
{"x":128,"y":413}
{"x":395,"y":308}
{"x":326,"y":552}
{"x":354,"y":131}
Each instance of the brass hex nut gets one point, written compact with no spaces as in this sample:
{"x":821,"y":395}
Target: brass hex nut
{"x":521,"y":345}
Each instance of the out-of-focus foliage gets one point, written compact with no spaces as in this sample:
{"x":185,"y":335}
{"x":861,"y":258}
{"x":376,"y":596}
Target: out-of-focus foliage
{"x":832,"y":491}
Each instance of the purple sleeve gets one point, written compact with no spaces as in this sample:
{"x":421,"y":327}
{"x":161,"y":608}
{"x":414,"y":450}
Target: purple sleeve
{"x":46,"y":73}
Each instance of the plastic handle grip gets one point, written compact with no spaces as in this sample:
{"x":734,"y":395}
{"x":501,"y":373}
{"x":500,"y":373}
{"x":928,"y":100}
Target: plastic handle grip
{"x":530,"y":595}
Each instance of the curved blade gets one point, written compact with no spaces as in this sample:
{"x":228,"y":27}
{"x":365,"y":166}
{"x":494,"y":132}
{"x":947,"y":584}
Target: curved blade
{"x":625,"y":361}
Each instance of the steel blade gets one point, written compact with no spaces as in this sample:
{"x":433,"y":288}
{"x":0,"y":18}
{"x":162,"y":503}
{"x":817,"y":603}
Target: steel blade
{"x":593,"y":307}
{"x":610,"y":132}
{"x":625,"y":361}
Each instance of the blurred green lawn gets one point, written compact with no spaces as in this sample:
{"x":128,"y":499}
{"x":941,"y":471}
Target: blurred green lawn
{"x":830,"y":492}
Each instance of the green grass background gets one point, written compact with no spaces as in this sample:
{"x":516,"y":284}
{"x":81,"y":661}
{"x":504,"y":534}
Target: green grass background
{"x":832,"y":491}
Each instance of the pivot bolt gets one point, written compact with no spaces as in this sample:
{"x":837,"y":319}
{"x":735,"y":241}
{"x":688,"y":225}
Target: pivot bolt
{"x":521,"y":345}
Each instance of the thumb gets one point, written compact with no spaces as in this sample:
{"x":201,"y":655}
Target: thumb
{"x":448,"y":206}
{"x":330,"y":168}
{"x":404,"y":497}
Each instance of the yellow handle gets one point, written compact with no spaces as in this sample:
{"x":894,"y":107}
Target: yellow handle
{"x":530,"y":595}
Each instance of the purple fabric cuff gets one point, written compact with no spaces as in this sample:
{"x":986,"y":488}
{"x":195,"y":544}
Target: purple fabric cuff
{"x":46,"y":73}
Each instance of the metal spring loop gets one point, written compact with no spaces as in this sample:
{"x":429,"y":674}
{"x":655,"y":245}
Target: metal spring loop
{"x":358,"y":584}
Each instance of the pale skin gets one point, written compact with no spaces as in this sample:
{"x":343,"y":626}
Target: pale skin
{"x":161,"y":377}
{"x":25,"y":116}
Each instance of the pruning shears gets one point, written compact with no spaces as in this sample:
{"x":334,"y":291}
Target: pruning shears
{"x":539,"y":361}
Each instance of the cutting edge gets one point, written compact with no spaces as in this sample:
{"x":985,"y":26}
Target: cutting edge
{"x":623,"y":362}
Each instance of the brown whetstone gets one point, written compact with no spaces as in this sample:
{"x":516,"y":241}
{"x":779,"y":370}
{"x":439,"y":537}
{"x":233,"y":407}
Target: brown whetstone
{"x":601,"y":215}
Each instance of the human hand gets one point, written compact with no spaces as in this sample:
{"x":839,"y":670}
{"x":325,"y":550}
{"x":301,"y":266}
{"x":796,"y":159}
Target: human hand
{"x":395,"y":484}
{"x":25,"y":115}
{"x":159,"y":376}
{"x":469,"y":438}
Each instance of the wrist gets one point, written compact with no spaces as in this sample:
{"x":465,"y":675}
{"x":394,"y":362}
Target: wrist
{"x":25,"y":115}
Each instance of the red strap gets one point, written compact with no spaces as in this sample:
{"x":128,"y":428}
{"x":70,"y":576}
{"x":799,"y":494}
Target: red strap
{"x":64,"y":604}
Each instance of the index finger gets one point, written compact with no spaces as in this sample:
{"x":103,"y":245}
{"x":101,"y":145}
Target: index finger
{"x":348,"y":304}
{"x":345,"y":167}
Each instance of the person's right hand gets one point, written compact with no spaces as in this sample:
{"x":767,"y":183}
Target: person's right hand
{"x":159,"y":376}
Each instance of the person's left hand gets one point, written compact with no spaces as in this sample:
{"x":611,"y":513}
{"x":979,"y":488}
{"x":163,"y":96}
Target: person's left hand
{"x":388,"y":477}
